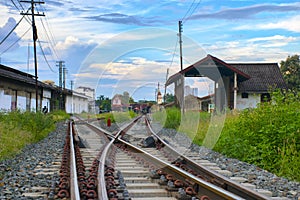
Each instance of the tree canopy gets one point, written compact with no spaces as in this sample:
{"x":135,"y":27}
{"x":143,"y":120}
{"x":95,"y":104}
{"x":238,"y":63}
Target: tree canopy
{"x":290,"y":69}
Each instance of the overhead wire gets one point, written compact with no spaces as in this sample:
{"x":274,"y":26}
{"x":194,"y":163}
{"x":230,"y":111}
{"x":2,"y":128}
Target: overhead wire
{"x":49,"y":35}
{"x":185,"y":19}
{"x":188,"y":10}
{"x":174,"y":52}
{"x":27,"y":17}
{"x":15,"y":4}
{"x":44,"y":55}
{"x":13,"y":29}
{"x":16,"y":41}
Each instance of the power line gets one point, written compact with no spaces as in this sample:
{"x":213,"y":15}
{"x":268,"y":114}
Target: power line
{"x":188,"y":10}
{"x":184,"y":19}
{"x":174,"y":52}
{"x":49,"y":39}
{"x":16,"y":41}
{"x":13,"y":29}
{"x":26,"y":18}
{"x":15,"y":5}
{"x":44,"y":55}
{"x":49,"y":34}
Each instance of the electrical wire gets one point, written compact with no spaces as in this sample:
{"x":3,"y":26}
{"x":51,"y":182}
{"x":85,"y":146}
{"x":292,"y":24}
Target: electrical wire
{"x":49,"y":35}
{"x":13,"y":29}
{"x":174,"y":52}
{"x":15,"y":4}
{"x":45,"y":57}
{"x":185,"y":19}
{"x":49,"y":39}
{"x":188,"y":10}
{"x":27,"y":17}
{"x":16,"y":41}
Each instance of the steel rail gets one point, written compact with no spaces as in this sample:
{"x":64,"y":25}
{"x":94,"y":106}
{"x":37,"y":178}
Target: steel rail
{"x":102,"y":193}
{"x":231,"y":186}
{"x":74,"y":182}
{"x":214,"y":192}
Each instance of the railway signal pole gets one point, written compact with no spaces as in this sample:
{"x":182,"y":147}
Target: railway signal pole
{"x":35,"y":37}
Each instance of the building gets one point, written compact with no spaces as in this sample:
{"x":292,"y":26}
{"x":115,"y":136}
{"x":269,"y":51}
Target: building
{"x":77,"y":103}
{"x":237,"y":85}
{"x":118,"y":104}
{"x":91,"y":94}
{"x":159,"y":98}
{"x":18,"y":92}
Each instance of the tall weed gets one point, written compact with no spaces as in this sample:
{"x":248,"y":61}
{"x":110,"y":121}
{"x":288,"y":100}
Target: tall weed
{"x":267,"y":135}
{"x":20,"y":128}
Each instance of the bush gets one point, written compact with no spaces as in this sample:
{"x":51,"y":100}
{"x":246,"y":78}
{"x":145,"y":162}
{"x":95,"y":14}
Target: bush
{"x":266,"y":136}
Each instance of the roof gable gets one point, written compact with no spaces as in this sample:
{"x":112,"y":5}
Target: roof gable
{"x":210,"y":67}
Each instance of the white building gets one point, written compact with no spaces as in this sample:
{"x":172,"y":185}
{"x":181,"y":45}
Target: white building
{"x":77,"y":103}
{"x":91,"y":97}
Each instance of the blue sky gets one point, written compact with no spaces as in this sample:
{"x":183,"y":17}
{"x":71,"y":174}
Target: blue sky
{"x":115,"y":46}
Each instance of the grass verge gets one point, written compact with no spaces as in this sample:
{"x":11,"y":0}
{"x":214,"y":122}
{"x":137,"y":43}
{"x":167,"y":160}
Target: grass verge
{"x":17,"y":129}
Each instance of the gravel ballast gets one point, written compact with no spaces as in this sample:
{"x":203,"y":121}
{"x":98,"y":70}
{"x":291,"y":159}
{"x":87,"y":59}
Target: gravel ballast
{"x":262,"y":179}
{"x":17,"y":174}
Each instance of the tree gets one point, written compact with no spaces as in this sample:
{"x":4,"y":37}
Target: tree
{"x":169,"y":98}
{"x":104,"y":103}
{"x":290,"y":69}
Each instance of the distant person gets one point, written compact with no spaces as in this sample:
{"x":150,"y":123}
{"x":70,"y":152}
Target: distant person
{"x":45,"y":110}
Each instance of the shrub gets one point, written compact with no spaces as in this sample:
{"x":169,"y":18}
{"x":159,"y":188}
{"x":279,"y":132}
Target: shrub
{"x":266,"y":136}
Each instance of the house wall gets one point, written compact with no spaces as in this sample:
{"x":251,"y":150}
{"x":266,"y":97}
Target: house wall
{"x":250,"y":102}
{"x":76,"y":104}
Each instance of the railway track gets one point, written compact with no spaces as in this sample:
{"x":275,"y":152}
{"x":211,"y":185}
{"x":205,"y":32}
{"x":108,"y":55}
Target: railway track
{"x":123,"y":166}
{"x":97,"y":164}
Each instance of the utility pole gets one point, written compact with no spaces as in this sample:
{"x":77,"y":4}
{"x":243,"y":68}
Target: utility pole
{"x":65,"y":71}
{"x":181,"y":66}
{"x":61,"y":67}
{"x":72,"y":83}
{"x":35,"y":37}
{"x":180,"y":43}
{"x":167,"y":75}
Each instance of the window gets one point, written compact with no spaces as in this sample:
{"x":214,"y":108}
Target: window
{"x":245,"y":95}
{"x":265,"y":97}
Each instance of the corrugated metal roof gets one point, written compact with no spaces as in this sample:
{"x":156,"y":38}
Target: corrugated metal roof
{"x":264,"y":76}
{"x":20,"y":76}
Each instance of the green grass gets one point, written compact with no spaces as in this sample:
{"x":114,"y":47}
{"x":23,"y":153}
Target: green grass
{"x":18,"y":129}
{"x":117,"y":117}
{"x":267,"y":136}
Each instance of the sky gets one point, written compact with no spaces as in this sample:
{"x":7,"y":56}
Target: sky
{"x":115,"y":46}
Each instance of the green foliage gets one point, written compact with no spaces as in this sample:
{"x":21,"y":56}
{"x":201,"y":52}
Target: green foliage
{"x":168,"y":98}
{"x":173,"y":118}
{"x":104,"y":103}
{"x":266,"y":136}
{"x":290,"y":70}
{"x":118,"y":117}
{"x":18,"y":129}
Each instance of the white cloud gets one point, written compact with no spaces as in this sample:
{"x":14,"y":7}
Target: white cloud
{"x":69,"y":41}
{"x":290,"y":24}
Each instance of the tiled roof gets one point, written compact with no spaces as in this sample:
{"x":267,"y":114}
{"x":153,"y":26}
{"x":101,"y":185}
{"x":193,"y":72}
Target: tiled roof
{"x":263,"y":77}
